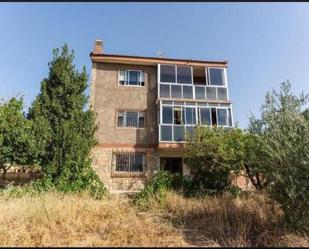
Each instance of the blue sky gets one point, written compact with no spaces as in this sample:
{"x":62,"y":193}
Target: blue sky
{"x":265,"y":43}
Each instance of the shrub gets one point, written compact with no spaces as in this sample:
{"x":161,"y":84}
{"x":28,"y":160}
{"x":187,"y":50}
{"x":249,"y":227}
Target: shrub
{"x":156,"y":188}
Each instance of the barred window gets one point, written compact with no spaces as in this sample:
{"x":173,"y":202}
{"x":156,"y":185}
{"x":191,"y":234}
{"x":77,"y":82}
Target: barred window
{"x":130,"y":162}
{"x":131,"y":78}
{"x":130,"y":119}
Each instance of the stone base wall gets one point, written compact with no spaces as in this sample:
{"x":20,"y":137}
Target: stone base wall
{"x":104,"y":163}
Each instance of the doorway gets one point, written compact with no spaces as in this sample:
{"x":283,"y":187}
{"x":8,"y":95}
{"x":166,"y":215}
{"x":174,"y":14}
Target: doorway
{"x":171,"y":164}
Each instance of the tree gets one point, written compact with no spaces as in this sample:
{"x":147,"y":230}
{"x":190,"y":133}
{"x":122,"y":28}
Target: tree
{"x":20,"y":139}
{"x":283,"y":137}
{"x":62,"y":104}
{"x":211,"y":154}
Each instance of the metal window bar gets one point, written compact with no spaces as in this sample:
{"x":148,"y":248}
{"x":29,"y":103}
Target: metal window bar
{"x":130,"y":162}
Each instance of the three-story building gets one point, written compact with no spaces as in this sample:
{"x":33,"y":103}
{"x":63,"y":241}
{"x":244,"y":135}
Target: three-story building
{"x":145,"y":106}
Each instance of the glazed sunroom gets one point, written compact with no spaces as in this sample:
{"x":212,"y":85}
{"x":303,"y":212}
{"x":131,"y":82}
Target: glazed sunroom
{"x":190,"y":96}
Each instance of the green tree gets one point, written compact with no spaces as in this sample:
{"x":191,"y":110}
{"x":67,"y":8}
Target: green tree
{"x":20,"y":139}
{"x":283,"y":137}
{"x":62,"y":103}
{"x":211,"y":154}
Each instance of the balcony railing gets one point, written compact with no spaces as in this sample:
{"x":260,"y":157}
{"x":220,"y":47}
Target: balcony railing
{"x":195,"y":92}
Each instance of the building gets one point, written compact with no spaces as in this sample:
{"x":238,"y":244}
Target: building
{"x":145,"y":106}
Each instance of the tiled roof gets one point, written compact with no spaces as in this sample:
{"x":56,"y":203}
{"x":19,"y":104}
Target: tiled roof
{"x":156,"y":58}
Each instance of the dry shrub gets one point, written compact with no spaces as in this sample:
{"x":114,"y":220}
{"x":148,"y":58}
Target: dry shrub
{"x":250,"y":220}
{"x":75,"y":220}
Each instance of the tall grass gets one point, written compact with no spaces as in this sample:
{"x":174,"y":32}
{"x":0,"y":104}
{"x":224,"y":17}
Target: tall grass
{"x":249,"y":220}
{"x":55,"y":219}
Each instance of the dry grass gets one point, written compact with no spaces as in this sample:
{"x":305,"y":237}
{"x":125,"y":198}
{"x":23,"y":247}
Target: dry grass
{"x":55,"y":220}
{"x":252,"y":220}
{"x":74,"y":220}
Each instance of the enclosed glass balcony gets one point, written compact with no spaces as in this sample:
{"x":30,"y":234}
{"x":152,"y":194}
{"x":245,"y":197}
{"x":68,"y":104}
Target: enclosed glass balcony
{"x":175,"y":91}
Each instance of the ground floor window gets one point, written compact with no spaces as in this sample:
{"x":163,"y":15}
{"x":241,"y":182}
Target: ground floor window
{"x":130,"y":162}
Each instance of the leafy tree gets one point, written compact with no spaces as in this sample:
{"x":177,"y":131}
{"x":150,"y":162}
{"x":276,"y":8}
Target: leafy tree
{"x":283,"y":137}
{"x":62,"y":104}
{"x":20,"y":139}
{"x":211,"y":154}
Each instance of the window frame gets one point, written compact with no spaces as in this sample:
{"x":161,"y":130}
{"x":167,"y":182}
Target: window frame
{"x":176,"y":75}
{"x":127,"y":77}
{"x":199,"y":115}
{"x":116,"y":172}
{"x":140,"y":113}
{"x":198,"y":107}
{"x":175,"y":69}
{"x":223,"y":74}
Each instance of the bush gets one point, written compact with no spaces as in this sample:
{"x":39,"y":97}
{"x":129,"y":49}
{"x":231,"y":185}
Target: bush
{"x":156,"y":188}
{"x":164,"y":181}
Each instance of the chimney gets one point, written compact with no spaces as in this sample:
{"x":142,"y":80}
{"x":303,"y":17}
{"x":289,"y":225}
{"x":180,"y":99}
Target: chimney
{"x":98,"y":47}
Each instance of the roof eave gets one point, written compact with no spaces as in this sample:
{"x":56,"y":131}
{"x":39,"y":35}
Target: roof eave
{"x":115,"y":58}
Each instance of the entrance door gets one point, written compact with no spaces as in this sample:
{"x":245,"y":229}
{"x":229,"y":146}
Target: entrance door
{"x":171,"y":164}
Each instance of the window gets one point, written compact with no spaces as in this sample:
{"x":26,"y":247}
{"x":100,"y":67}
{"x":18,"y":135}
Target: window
{"x":222,"y":116}
{"x":131,"y":119}
{"x":222,"y":93}
{"x":167,"y":115}
{"x":214,"y":116}
{"x":205,"y":118}
{"x":199,"y":77}
{"x":216,"y":76}
{"x":187,"y":92}
{"x":200,"y":92}
{"x":230,"y":117}
{"x":190,"y":115}
{"x":166,"y":133}
{"x":179,"y":133}
{"x":184,"y":75}
{"x":164,"y":91}
{"x":176,"y":91}
{"x":131,"y":77}
{"x":211,"y":93}
{"x":167,"y":73}
{"x":130,"y":162}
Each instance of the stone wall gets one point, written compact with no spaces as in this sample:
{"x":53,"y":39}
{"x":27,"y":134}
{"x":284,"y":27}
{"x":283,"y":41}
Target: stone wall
{"x":104,"y":165}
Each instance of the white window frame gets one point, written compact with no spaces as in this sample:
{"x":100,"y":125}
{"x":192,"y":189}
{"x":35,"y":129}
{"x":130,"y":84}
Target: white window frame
{"x":208,"y":85}
{"x":127,"y":77}
{"x":197,"y":107}
{"x":199,"y":115}
{"x":224,"y":77}
{"x":139,"y":114}
{"x":173,"y":65}
{"x":176,"y":78}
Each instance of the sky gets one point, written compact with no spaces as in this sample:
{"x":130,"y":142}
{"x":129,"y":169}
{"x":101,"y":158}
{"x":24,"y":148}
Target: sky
{"x":265,"y":43}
